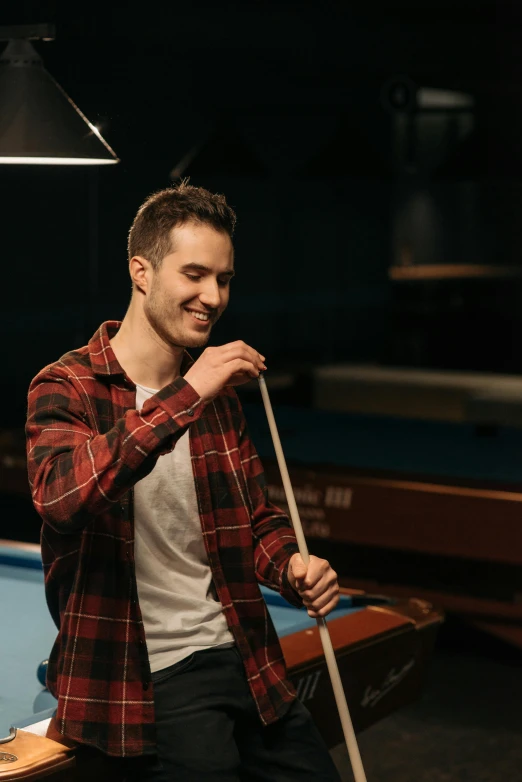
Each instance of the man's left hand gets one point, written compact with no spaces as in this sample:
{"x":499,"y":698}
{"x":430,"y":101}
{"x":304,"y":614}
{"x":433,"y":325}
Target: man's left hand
{"x":316,"y":584}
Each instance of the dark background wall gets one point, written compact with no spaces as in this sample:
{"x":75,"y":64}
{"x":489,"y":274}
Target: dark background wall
{"x":286,"y":99}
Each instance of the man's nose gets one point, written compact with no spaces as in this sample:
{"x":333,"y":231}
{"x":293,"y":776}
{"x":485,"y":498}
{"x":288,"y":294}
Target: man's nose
{"x":209,"y":294}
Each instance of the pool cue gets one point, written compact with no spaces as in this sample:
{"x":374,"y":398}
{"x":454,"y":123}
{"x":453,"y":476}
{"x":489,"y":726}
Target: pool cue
{"x":331,"y":662}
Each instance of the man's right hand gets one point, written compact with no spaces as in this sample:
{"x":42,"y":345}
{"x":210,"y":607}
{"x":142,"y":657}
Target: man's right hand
{"x":228,"y":365}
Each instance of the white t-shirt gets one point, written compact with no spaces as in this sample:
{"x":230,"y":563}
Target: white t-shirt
{"x":179,"y":605}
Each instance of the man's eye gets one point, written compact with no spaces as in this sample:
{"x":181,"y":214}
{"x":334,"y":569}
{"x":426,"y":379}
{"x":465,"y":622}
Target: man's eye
{"x":224,"y":282}
{"x":194,"y":277}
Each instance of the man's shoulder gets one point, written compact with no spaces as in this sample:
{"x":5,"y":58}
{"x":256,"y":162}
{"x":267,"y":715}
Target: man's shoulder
{"x":69,"y":365}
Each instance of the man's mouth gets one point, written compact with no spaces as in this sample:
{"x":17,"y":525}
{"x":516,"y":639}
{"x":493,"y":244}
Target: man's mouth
{"x":202,"y":316}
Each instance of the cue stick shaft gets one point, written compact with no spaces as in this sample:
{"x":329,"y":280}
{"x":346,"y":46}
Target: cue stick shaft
{"x":331,"y":662}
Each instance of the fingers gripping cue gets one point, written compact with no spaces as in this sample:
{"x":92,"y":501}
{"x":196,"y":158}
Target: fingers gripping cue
{"x":331,"y":662}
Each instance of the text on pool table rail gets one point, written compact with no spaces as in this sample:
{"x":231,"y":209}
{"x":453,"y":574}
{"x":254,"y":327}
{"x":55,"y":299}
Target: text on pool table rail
{"x":312,"y":504}
{"x":372,"y":695}
{"x":306,"y":686}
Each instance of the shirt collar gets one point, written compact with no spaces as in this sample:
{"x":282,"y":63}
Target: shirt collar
{"x":102,"y":356}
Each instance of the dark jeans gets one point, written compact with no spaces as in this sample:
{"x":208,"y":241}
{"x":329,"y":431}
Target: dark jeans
{"x":208,"y":728}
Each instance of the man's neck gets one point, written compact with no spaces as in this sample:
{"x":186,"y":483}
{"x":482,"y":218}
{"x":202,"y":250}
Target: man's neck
{"x":143,"y":355}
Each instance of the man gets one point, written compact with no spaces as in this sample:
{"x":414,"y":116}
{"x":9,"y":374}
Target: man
{"x":157,"y":529}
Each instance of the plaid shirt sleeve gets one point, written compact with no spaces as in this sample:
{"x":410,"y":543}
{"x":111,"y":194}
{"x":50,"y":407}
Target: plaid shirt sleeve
{"x":274,"y":538}
{"x":75,"y":472}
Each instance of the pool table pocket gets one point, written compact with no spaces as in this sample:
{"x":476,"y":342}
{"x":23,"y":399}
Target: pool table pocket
{"x":27,"y":756}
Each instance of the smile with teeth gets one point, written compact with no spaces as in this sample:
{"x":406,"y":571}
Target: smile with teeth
{"x":203,"y":316}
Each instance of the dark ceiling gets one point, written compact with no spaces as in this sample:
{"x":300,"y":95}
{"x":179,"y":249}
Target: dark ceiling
{"x":288,"y":79}
{"x":150,"y":73}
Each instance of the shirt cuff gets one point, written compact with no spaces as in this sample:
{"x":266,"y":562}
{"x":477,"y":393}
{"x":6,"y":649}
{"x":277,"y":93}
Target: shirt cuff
{"x":287,"y":591}
{"x":182,"y":403}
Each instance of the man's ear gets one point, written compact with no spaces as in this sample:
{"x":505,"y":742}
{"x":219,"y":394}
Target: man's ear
{"x":140,"y":270}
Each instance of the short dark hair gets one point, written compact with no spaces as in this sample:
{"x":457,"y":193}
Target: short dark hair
{"x":149,"y":235}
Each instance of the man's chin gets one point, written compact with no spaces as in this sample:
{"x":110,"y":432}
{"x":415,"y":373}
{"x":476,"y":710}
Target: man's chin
{"x":193,"y":344}
{"x":195,"y":340}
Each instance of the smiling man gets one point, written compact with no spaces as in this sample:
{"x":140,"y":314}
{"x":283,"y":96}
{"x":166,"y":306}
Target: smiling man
{"x":157,"y":530}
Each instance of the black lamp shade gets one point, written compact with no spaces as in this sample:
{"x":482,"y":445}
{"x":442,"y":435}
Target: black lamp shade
{"x":39,"y":123}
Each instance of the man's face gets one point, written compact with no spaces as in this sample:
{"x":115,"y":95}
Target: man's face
{"x":190,"y":290}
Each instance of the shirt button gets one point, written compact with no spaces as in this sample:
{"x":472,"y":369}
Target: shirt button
{"x":145,"y":685}
{"x":190,"y":413}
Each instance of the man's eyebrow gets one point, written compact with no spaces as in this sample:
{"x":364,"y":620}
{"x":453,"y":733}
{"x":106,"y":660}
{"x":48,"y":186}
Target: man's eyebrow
{"x":200,"y":267}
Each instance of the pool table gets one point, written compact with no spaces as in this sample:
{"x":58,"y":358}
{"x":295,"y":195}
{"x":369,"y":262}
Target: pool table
{"x":401,"y":505}
{"x":408,"y":506}
{"x":383,"y":647}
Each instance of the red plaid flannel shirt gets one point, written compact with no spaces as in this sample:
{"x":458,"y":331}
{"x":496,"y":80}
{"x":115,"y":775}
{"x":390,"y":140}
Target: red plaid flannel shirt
{"x":87,"y":446}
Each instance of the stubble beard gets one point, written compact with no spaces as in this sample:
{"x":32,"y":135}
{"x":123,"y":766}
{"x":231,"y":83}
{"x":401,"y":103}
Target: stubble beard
{"x":157,"y":309}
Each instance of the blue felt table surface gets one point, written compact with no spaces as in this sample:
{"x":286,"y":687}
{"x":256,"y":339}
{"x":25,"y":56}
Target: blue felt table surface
{"x":31,"y":633}
{"x":27,"y":638}
{"x":288,"y":619}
